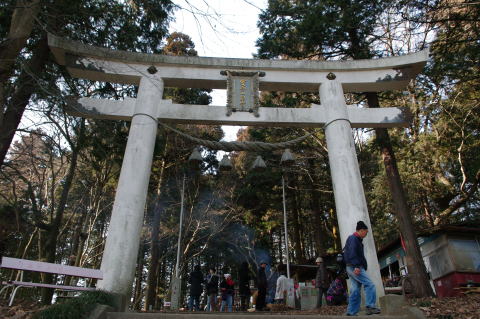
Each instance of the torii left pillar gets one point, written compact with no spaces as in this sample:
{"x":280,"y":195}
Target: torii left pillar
{"x":121,"y":248}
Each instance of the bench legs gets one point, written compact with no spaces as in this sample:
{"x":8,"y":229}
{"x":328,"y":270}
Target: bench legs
{"x":5,"y":287}
{"x":12,"y":297}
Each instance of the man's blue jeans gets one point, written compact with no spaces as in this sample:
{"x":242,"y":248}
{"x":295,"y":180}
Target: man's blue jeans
{"x":356,"y":283}
{"x":212,"y":302}
{"x":194,"y":301}
{"x":228,"y":303}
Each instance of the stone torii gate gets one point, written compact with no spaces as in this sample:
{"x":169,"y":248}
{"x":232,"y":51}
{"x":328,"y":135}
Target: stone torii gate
{"x":153,"y":72}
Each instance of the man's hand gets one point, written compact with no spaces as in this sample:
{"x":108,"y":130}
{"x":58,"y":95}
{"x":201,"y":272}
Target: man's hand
{"x":357,"y":271}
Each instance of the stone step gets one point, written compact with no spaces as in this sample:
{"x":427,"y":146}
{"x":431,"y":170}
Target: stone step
{"x":240,"y":315}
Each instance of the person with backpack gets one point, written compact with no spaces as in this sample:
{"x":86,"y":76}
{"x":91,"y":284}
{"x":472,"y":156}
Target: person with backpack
{"x":336,"y":293}
{"x":356,"y":265}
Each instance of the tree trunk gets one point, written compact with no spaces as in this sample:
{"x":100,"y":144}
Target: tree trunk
{"x":54,"y":227}
{"x":21,"y":26}
{"x":337,"y":242}
{"x":414,"y":259}
{"x":315,"y":206}
{"x":415,"y":264}
{"x":77,"y":245}
{"x":161,"y":281}
{"x":137,"y":293}
{"x":297,"y":244}
{"x":26,"y":85}
{"x":151,"y":293}
{"x":271,"y":243}
{"x":280,"y":243}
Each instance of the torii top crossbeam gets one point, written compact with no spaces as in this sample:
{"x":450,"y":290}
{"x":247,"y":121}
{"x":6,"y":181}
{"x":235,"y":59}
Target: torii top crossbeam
{"x":245,"y":77}
{"x":96,"y":63}
{"x":108,"y":65}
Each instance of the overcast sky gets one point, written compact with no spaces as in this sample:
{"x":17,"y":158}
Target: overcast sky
{"x":223,"y":28}
{"x":220,"y":28}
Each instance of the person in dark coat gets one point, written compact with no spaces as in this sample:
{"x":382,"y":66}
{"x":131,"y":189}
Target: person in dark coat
{"x":321,"y":280}
{"x":244,"y":285}
{"x":211,"y":284}
{"x":262,"y":287}
{"x":227,"y":288}
{"x":357,"y":272}
{"x":195,"y":280}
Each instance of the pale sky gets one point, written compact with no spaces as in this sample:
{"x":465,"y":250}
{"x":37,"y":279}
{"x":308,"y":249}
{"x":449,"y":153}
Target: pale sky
{"x":220,"y":28}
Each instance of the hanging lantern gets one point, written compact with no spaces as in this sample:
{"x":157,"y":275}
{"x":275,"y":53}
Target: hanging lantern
{"x":288,"y":159}
{"x":195,"y":158}
{"x":225,"y":164}
{"x":259,"y":164}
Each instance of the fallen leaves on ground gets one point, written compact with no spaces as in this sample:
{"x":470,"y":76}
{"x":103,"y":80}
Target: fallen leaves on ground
{"x":22,"y":309}
{"x":462,"y":307}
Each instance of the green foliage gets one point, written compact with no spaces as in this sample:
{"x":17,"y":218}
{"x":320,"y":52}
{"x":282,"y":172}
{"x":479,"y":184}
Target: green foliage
{"x":318,"y":28}
{"x":78,"y":307}
{"x":435,"y":155}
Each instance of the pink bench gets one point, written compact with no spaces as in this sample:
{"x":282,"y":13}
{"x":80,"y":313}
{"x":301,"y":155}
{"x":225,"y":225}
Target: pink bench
{"x":39,"y":266}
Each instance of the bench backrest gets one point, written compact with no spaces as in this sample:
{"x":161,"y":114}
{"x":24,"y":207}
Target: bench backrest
{"x":39,"y":266}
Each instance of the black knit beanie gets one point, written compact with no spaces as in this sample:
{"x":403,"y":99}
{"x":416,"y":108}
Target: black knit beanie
{"x":361,"y":225}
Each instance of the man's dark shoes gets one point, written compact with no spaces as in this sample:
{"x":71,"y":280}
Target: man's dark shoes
{"x":351,"y":315}
{"x":372,"y":311}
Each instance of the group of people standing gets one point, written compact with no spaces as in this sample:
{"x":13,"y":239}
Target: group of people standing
{"x":225,"y":287}
{"x":334,"y":292}
{"x":214,"y":286}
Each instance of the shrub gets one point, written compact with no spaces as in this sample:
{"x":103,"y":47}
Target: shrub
{"x":78,"y":307}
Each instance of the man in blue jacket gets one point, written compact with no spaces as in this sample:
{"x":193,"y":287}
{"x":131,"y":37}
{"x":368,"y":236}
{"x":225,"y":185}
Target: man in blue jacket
{"x":356,"y":269}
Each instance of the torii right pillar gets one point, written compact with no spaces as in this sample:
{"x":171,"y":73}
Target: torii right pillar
{"x":346,"y":179}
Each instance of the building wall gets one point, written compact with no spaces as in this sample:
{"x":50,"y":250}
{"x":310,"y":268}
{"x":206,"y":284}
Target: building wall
{"x":445,"y":286}
{"x":437,"y":257}
{"x":451,"y":260}
{"x":465,"y":252}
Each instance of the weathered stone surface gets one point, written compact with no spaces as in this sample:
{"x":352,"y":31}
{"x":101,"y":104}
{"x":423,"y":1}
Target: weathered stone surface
{"x":414,"y":313}
{"x":392,"y":304}
{"x":100,"y":312}
{"x":346,"y":180}
{"x":103,"y":64}
{"x":123,"y":238}
{"x":209,"y":114}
